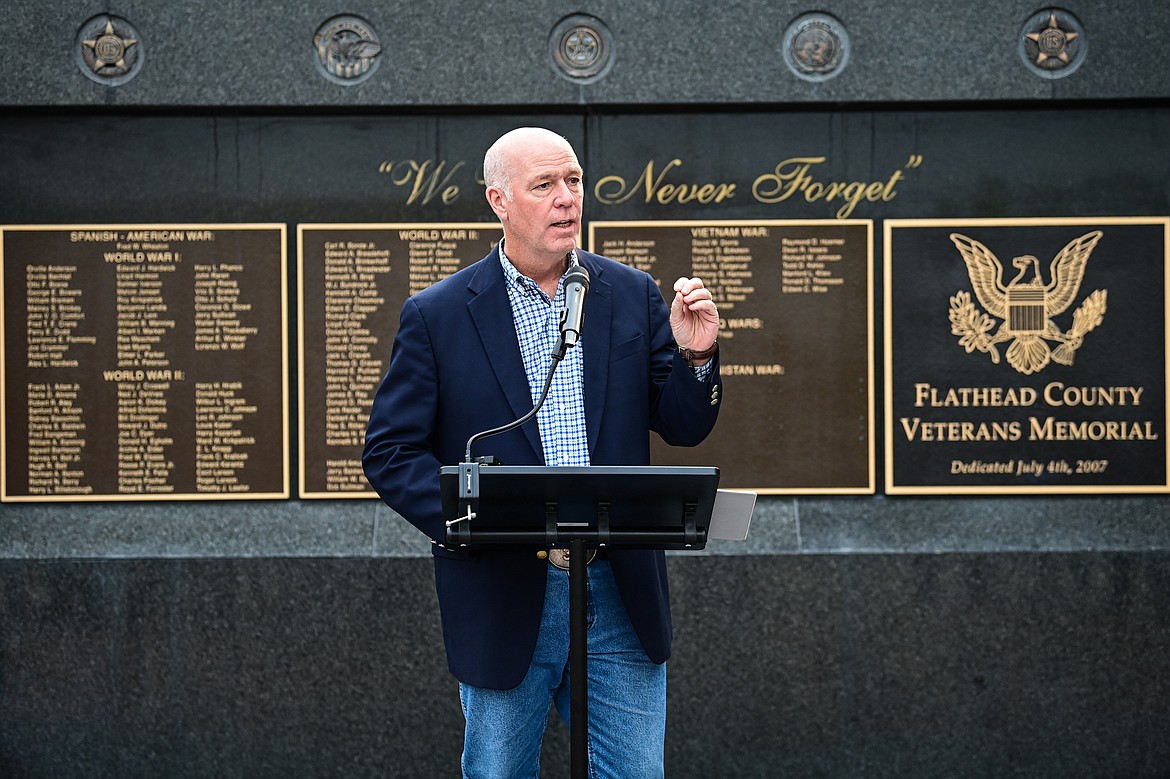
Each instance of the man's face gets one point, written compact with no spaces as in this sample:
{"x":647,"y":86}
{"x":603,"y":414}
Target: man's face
{"x":543,"y":219}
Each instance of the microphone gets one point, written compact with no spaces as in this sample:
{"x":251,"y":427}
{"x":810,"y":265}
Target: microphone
{"x":576,"y":285}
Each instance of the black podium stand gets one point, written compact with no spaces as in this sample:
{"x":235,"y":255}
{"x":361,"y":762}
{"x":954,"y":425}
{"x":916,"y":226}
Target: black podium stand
{"x":595,"y":507}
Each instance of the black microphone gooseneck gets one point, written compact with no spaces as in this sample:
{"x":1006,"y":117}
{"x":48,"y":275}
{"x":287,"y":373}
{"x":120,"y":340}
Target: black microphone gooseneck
{"x":576,"y":285}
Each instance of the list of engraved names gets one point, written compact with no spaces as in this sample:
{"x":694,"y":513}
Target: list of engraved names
{"x":354,"y":280}
{"x":152,"y":364}
{"x":794,"y":343}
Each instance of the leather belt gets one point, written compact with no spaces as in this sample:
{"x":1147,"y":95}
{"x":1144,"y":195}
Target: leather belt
{"x":560,"y":557}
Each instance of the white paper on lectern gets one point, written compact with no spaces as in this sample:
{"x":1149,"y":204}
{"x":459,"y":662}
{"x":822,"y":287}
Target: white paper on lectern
{"x":732,"y":515}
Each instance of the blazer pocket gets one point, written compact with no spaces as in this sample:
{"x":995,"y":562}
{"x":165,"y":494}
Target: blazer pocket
{"x":628,"y":348}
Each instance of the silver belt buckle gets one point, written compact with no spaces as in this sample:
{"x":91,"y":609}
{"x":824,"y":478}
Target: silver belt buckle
{"x":560,"y":557}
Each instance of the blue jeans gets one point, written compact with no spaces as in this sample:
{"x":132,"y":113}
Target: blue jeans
{"x":627,"y":694}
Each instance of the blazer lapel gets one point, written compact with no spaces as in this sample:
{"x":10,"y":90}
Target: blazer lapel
{"x":492,"y":313}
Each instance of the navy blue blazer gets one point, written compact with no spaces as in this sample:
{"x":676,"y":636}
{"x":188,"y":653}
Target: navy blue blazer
{"x":456,"y":370}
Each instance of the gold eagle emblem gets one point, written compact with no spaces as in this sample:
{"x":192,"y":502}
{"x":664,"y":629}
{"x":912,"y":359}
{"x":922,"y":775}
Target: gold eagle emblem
{"x":1026,"y":304}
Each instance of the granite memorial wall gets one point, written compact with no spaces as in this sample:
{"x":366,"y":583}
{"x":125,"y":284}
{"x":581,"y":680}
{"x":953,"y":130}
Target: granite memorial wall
{"x":943,"y":281}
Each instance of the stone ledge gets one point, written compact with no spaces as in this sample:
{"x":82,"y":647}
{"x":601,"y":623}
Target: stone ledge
{"x":781,"y":526}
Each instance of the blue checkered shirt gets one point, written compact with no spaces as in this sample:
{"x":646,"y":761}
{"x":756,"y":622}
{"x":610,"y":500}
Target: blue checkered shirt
{"x":562,"y":417}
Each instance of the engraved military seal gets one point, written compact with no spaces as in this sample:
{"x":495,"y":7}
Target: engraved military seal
{"x":816,"y":47}
{"x":1053,"y":43}
{"x":347,"y":50}
{"x":581,"y":48}
{"x":109,"y":50}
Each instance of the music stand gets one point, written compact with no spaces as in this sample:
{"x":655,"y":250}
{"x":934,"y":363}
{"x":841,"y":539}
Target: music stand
{"x":633,"y":507}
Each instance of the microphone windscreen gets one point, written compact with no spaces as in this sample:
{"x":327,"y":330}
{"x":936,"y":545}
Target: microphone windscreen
{"x":577,"y":275}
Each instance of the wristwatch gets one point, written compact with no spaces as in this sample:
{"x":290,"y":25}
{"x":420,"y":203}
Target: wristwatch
{"x":690,"y":355}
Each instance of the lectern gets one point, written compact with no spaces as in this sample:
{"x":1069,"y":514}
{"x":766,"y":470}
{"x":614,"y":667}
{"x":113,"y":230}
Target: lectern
{"x":578,"y":508}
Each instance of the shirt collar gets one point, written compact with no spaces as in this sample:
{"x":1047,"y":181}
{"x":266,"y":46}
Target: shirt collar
{"x":521,"y":282}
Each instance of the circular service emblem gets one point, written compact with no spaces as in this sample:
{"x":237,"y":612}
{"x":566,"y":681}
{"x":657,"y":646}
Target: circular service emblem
{"x":108,"y":50}
{"x":581,"y":48}
{"x":1053,"y":43}
{"x":816,"y":47}
{"x":346,"y":49}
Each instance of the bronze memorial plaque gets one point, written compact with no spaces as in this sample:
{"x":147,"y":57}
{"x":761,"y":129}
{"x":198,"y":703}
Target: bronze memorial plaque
{"x":144,"y":362}
{"x":1026,"y":355}
{"x":796,"y":344}
{"x":353,"y":280}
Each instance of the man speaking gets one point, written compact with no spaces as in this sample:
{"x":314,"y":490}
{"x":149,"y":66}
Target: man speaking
{"x":472,"y":353}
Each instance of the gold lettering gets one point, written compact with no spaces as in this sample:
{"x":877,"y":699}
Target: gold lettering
{"x":613,"y":190}
{"x":1051,"y":429}
{"x":424,"y":180}
{"x":916,"y":429}
{"x":1058,"y":394}
{"x":794,"y":176}
{"x":927,"y":395}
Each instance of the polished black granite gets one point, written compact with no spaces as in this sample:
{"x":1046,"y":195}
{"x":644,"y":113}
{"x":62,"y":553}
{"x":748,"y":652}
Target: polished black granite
{"x":878,"y":665}
{"x":456,"y":54}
